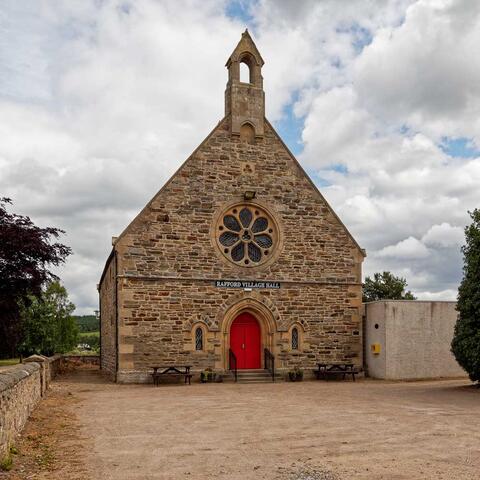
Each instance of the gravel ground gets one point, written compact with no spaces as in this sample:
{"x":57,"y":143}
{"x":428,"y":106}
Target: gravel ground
{"x":311,"y":473}
{"x":286,"y":431}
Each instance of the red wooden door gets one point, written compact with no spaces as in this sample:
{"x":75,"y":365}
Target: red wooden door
{"x":245,"y":341}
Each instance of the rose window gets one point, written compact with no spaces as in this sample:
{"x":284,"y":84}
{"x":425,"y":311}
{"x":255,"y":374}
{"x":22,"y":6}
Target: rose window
{"x":246,"y":235}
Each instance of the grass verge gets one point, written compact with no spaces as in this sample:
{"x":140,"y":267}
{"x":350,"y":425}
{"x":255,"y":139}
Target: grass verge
{"x":9,"y":361}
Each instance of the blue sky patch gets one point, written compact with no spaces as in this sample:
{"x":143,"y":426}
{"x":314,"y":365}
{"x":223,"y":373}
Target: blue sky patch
{"x":240,"y":10}
{"x":340,"y":168}
{"x":319,"y":181}
{"x":361,"y":36}
{"x":459,"y":147}
{"x":290,"y":128}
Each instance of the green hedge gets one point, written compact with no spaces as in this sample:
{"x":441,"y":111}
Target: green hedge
{"x":90,"y":338}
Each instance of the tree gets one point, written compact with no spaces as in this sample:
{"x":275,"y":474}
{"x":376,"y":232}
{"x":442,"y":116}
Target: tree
{"x":48,"y":325}
{"x":466,"y":338}
{"x":386,"y":286}
{"x":26,"y":254}
{"x":87,"y":323}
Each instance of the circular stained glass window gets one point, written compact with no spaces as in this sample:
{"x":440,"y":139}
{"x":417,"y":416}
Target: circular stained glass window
{"x":247,"y":235}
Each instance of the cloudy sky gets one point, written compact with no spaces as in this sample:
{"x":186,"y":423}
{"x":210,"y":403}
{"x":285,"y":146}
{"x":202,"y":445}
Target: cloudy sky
{"x":100,"y":102}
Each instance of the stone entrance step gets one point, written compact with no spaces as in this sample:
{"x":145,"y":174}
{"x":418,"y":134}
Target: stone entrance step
{"x":253,"y":376}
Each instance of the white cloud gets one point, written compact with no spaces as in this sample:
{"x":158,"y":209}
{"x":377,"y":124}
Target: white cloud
{"x":92,"y":90}
{"x":444,"y":295}
{"x":375,"y":138}
{"x":426,"y":73}
{"x":444,"y":235}
{"x":408,"y":249}
{"x":100,"y":103}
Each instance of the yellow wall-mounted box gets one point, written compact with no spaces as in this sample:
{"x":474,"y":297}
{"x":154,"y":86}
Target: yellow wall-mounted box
{"x":376,"y":348}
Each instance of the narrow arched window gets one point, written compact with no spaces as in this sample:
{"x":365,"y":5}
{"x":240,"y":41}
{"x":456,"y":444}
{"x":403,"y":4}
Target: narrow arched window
{"x":198,"y":339}
{"x":294,"y":338}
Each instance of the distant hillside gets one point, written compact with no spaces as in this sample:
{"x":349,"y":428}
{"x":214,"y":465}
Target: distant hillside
{"x":87,"y":323}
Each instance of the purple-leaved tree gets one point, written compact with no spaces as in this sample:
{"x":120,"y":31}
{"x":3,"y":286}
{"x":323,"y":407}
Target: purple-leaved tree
{"x":27,"y":252}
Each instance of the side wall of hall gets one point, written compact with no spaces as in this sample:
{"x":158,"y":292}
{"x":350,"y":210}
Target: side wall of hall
{"x":108,"y":329}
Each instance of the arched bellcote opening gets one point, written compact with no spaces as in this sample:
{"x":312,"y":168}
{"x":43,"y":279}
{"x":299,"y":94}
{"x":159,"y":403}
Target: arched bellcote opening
{"x":245,"y":76}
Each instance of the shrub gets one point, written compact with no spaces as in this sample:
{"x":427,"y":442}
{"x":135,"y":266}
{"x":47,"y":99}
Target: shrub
{"x":466,"y":339}
{"x":92,"y":339}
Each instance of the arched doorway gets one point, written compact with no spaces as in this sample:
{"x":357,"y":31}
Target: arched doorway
{"x":245,"y":341}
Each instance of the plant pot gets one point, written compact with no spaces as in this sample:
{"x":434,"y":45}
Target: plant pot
{"x":208,"y":377}
{"x":295,"y":376}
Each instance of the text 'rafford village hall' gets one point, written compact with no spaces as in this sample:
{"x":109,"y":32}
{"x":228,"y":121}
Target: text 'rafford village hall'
{"x":238,"y":254}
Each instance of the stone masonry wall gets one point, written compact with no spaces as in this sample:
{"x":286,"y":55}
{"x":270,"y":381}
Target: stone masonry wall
{"x":21,"y":387}
{"x":107,"y":319}
{"x":168,"y":260}
{"x":20,"y":390}
{"x":155,"y":331}
{"x":172,"y":235}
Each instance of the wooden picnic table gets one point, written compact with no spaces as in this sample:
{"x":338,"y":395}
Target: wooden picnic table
{"x":171,"y":371}
{"x":326,"y":370}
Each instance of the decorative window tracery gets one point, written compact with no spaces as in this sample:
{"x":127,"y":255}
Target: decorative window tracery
{"x":198,"y":338}
{"x":295,"y":338}
{"x":247,"y":235}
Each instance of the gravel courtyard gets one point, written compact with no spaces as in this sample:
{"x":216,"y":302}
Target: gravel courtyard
{"x":310,"y":430}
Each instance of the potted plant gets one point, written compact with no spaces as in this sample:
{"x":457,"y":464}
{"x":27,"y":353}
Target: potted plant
{"x":207,"y":375}
{"x":295,"y":375}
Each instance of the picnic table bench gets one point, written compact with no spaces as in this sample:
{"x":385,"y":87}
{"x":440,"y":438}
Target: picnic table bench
{"x":171,"y":371}
{"x":327,"y":370}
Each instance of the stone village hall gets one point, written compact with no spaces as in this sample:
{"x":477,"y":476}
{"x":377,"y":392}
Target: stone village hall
{"x":237,"y":258}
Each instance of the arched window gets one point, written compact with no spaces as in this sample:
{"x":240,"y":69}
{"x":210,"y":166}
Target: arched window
{"x":294,"y":338}
{"x":245,"y":76}
{"x":247,"y":133}
{"x":199,"y":339}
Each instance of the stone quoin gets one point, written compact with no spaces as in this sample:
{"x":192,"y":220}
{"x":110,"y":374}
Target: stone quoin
{"x":238,"y":250}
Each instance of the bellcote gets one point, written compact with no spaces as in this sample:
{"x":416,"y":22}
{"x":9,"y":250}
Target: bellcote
{"x":245,"y":100}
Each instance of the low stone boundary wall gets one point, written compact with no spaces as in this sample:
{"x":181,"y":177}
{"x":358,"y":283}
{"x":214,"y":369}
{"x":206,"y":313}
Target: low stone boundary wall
{"x":21,"y":387}
{"x":82,"y":359}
